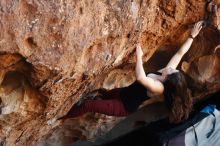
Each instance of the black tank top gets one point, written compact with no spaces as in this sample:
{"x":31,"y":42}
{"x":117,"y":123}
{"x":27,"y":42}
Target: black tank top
{"x":133,"y":95}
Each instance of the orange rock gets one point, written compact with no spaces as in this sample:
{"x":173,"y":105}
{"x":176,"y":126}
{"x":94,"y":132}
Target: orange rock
{"x":67,"y":48}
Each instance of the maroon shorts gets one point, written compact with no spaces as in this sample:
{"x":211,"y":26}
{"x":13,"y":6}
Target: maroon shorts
{"x":110,"y":104}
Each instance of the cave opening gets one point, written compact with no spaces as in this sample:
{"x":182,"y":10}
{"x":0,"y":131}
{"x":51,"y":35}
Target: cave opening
{"x":17,"y":91}
{"x":17,"y":95}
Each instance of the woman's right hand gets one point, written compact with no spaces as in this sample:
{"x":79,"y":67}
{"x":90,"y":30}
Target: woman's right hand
{"x":196,"y":29}
{"x":139,"y":51}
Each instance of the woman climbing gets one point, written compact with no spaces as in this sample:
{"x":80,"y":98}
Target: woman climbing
{"x":167,"y":84}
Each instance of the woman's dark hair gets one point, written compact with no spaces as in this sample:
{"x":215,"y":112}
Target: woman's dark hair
{"x":177,"y":97}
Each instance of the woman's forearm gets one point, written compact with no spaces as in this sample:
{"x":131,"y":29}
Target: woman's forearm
{"x":175,"y":60}
{"x":195,"y":31}
{"x":139,"y":69}
{"x":185,"y":47}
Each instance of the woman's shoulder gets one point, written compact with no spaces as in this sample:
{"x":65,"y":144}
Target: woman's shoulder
{"x":154,"y":75}
{"x":154,"y":72}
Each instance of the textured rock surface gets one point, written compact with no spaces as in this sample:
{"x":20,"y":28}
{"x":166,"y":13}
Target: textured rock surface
{"x":65,"y":48}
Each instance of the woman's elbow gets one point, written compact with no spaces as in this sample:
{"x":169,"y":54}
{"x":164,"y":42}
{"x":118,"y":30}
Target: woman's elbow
{"x":140,"y":79}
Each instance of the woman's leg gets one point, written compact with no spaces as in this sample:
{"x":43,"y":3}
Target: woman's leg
{"x":110,"y":104}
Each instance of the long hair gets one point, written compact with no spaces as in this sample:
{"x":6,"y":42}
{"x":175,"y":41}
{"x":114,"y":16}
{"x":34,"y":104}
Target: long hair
{"x":177,"y":97}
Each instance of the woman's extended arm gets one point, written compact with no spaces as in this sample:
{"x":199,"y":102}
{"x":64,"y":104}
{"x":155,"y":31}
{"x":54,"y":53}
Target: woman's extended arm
{"x":175,"y":60}
{"x":153,"y":85}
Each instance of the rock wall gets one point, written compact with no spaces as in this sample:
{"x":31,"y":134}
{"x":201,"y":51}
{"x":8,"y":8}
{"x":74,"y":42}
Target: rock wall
{"x":56,"y":51}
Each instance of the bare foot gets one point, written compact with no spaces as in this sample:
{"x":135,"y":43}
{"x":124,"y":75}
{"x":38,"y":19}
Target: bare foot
{"x":55,"y":122}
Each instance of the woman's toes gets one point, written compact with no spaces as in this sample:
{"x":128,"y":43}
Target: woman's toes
{"x":51,"y":121}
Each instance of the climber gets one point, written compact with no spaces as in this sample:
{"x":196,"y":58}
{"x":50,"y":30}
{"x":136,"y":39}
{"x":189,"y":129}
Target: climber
{"x":167,"y":84}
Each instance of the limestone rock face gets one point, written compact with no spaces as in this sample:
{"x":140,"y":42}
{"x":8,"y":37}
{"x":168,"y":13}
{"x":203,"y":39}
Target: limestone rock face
{"x":53,"y":52}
